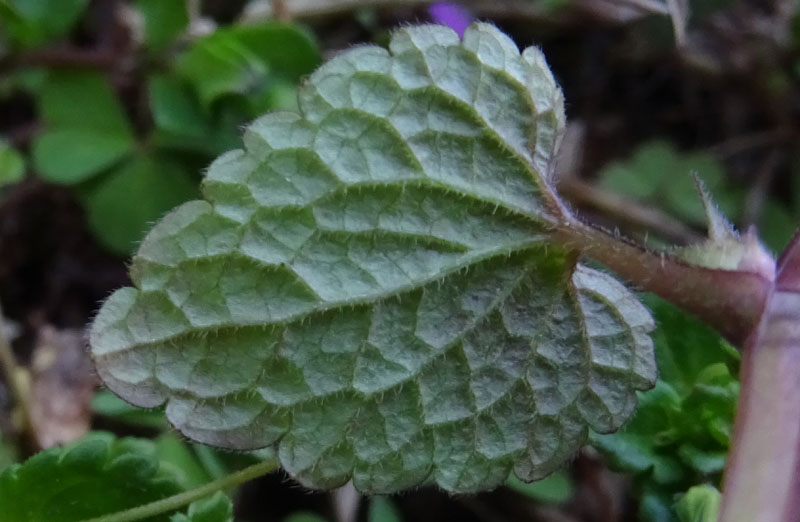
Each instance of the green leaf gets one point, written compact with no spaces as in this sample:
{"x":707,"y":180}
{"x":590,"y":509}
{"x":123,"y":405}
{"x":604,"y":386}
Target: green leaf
{"x":71,"y":155}
{"x":217,"y":508}
{"x":182,"y":123}
{"x":122,"y":205}
{"x":289,"y":50}
{"x":243,"y":60}
{"x":776,"y":226}
{"x":82,"y":99}
{"x":369,"y":285}
{"x":164,"y":20}
{"x":87,"y":128}
{"x":33,"y":22}
{"x":699,"y":504}
{"x":555,"y":489}
{"x":174,"y":107}
{"x":12,"y":166}
{"x":381,"y":509}
{"x":97,"y":475}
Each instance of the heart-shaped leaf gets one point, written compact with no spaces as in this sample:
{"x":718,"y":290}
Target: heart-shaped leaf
{"x":369,"y":285}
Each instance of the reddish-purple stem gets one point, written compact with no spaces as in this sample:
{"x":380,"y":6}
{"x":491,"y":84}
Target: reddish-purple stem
{"x":730,"y":301}
{"x":762,"y":476}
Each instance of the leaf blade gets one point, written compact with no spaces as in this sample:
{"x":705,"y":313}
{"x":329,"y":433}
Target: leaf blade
{"x":379,"y":265}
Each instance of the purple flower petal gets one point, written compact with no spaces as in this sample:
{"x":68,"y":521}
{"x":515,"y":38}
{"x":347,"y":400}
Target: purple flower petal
{"x":451,"y":15}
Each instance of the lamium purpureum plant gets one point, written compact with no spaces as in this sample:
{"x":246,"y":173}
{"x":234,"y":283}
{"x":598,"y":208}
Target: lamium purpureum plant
{"x":387,"y":289}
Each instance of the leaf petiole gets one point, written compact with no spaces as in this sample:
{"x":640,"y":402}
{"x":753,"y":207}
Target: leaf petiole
{"x":168,"y":504}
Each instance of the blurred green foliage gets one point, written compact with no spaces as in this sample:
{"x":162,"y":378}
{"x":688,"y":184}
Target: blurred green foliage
{"x":658,"y":174}
{"x":12,"y":166}
{"x":556,"y":488}
{"x":699,"y":504}
{"x":30,"y":23}
{"x":72,"y":483}
{"x":681,"y":431}
{"x":382,"y":509}
{"x":130,"y":162}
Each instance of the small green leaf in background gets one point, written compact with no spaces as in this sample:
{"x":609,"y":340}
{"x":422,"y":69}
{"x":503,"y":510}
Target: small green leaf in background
{"x":777,"y":225}
{"x":246,"y":60}
{"x":221,"y":64}
{"x":73,"y":155}
{"x":164,"y":20}
{"x":182,"y":123}
{"x":554,"y":489}
{"x":95,"y":476}
{"x":87,"y":130}
{"x":685,"y":346}
{"x":174,"y":108}
{"x":217,"y":508}
{"x":660,"y":175}
{"x":33,"y":22}
{"x":382,"y":509}
{"x":124,"y":203}
{"x":699,"y":504}
{"x":12,"y":165}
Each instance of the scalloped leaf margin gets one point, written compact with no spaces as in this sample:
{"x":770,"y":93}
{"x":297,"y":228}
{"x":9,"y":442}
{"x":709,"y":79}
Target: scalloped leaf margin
{"x":369,"y":285}
{"x":95,"y":476}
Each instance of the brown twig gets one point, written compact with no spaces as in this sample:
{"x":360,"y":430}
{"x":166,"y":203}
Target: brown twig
{"x":70,"y":57}
{"x":747,"y":142}
{"x":759,"y":190}
{"x":281,"y":11}
{"x":650,"y":218}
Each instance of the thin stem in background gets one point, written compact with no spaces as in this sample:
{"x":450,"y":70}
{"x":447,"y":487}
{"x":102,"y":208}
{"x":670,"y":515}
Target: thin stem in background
{"x":13,"y":375}
{"x":180,"y":500}
{"x":618,"y":207}
{"x":678,"y":13}
{"x":651,"y":6}
{"x":281,"y":11}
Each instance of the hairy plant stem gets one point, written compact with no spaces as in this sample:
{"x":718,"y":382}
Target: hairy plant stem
{"x":174,"y":502}
{"x":730,"y":301}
